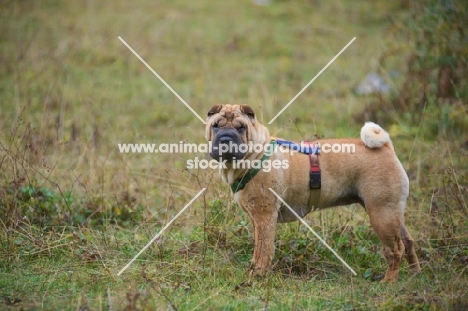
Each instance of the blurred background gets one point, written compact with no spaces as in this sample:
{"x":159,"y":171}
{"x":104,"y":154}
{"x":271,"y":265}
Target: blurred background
{"x":70,"y":91}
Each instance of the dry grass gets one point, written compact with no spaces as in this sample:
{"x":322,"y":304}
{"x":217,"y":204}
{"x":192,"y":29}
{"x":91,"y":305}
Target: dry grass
{"x":74,"y":211}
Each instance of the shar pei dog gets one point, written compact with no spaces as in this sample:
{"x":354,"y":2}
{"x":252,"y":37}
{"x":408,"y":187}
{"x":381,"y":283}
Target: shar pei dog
{"x":370,"y":174}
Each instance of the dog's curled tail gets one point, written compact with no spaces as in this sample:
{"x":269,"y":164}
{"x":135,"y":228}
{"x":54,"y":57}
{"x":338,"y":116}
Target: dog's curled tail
{"x":374,"y":136}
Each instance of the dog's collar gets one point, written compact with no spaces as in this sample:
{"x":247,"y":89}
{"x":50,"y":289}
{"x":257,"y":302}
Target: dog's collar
{"x":240,"y":183}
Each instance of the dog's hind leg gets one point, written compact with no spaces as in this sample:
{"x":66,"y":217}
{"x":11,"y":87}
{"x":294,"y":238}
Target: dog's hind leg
{"x":409,"y":250}
{"x":386,"y":221}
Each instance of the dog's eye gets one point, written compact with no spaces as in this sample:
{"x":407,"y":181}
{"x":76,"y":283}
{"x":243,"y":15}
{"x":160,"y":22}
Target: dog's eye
{"x":241,"y":128}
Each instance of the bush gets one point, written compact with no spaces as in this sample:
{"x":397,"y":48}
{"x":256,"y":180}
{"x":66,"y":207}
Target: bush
{"x":438,"y":31}
{"x":434,"y":88}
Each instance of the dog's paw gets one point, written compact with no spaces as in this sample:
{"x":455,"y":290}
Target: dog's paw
{"x":414,"y":268}
{"x":392,"y":278}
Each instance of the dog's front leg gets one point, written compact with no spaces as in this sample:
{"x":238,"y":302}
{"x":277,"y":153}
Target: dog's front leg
{"x":264,"y":223}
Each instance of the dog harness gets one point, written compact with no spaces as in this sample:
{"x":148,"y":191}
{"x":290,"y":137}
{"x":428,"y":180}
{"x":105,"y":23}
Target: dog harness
{"x":311,"y":149}
{"x":240,"y":183}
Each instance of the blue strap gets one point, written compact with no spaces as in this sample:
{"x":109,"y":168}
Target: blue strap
{"x":306,"y":149}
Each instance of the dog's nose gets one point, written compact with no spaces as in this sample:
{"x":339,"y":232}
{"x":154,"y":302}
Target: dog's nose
{"x":225,"y":139}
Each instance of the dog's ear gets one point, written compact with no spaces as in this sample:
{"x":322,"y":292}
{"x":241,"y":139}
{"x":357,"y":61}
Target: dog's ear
{"x":247,"y":110}
{"x":214,"y":110}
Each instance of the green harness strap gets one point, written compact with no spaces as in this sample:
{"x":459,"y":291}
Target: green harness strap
{"x":240,"y":183}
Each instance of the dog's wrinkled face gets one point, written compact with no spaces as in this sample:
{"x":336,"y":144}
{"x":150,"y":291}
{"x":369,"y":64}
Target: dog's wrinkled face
{"x":228,"y":128}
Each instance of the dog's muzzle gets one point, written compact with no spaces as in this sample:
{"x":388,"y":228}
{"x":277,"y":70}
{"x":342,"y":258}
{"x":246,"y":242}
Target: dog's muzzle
{"x":228,"y":145}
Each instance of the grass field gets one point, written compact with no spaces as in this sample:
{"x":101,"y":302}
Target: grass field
{"x":74,"y":210}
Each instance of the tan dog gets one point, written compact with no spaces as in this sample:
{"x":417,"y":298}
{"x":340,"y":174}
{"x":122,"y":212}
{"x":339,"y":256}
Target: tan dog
{"x":372,"y":175}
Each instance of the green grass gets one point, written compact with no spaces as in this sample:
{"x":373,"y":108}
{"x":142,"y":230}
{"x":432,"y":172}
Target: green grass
{"x":74,"y":211}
